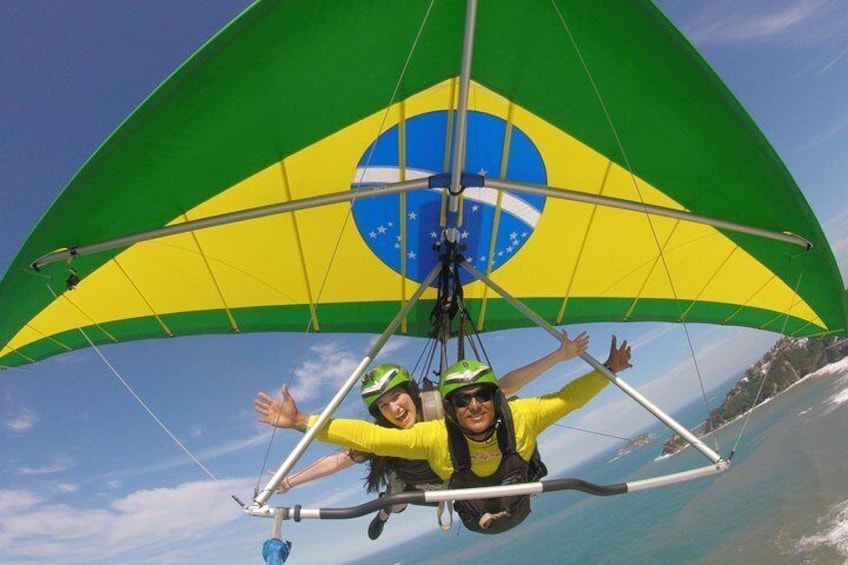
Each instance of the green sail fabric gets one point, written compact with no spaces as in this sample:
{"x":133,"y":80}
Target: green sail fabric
{"x":287,"y":80}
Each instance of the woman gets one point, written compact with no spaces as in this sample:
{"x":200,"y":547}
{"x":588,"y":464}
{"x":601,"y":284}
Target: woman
{"x":392,"y":397}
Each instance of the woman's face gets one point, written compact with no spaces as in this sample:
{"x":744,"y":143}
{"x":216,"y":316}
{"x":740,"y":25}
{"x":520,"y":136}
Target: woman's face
{"x":398,"y":408}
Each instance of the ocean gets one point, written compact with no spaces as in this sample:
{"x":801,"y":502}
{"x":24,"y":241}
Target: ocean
{"x":783,"y":500}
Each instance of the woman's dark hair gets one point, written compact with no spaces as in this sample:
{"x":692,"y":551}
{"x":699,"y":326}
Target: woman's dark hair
{"x":379,"y":466}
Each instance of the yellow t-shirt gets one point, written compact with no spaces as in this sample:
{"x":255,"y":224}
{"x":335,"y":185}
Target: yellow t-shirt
{"x":429,"y":440}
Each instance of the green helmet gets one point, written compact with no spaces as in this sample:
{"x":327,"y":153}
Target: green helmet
{"x":465,"y":373}
{"x":380,"y":380}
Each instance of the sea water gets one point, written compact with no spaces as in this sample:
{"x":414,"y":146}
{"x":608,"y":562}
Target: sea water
{"x":783,"y":500}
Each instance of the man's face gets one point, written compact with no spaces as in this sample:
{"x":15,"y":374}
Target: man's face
{"x":398,"y":408}
{"x":475,"y":408}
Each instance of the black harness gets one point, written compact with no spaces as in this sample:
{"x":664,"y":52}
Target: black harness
{"x":493,"y":515}
{"x":417,"y":474}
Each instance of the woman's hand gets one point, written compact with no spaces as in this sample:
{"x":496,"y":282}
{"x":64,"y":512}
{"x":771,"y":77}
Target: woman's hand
{"x":280,"y":413}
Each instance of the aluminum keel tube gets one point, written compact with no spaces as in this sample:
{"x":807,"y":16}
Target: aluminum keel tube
{"x":460,"y":135}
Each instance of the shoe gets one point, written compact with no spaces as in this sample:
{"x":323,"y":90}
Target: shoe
{"x":375,"y":528}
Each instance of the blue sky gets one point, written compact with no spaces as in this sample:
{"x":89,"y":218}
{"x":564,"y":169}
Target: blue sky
{"x":87,"y":474}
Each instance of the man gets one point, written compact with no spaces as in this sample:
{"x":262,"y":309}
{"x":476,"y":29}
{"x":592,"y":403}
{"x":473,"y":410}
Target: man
{"x":489,"y":442}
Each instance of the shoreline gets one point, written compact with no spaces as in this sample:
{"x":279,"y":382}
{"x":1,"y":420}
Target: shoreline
{"x":823,"y":371}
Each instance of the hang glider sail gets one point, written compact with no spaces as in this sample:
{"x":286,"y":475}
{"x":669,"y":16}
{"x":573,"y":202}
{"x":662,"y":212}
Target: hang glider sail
{"x":294,"y":104}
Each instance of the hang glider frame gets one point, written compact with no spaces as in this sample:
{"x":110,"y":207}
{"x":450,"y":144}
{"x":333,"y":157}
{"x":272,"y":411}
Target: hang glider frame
{"x":456,"y":182}
{"x":260,"y":506}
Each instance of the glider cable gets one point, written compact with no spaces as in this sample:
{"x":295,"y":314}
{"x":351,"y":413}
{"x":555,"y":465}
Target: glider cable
{"x":373,"y":148}
{"x":337,"y":245}
{"x":298,"y":356}
{"x":594,"y":432}
{"x":137,"y":398}
{"x":765,"y":375}
{"x":660,"y":247}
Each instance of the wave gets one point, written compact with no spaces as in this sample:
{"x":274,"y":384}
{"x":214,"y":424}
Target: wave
{"x":834,"y":535}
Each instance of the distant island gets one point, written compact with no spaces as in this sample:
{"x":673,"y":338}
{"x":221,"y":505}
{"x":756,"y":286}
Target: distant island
{"x":633,"y":444}
{"x":789,"y":361}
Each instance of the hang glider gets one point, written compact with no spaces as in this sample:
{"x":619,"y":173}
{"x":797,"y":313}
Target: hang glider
{"x":605,"y":101}
{"x":305,"y":165}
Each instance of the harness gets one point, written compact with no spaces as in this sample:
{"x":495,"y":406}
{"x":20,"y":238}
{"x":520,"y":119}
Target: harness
{"x":417,"y":474}
{"x":493,"y":515}
{"x":489,"y":516}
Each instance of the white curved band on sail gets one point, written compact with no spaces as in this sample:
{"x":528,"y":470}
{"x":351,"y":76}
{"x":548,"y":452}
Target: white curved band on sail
{"x":510,"y":203}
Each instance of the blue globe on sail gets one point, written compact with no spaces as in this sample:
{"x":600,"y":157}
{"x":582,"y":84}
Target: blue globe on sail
{"x":379,"y":220}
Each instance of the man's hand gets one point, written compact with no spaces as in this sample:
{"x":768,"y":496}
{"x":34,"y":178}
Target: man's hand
{"x":619,"y":357}
{"x":280,"y":413}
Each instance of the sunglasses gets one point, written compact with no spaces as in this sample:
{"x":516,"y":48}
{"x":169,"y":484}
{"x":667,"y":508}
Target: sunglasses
{"x":482,"y":395}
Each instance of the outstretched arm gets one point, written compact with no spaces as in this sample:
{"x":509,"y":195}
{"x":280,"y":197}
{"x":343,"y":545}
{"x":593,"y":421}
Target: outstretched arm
{"x":567,"y":349}
{"x":323,"y":467}
{"x":355,"y":434}
{"x":547,"y":409}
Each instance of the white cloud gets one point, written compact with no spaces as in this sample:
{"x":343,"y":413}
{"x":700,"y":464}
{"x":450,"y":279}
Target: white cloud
{"x":839,"y":222}
{"x":21,"y":420}
{"x":331,"y":364}
{"x":734,"y":22}
{"x":837,"y":234}
{"x":259,"y":438}
{"x":644,"y":339}
{"x":717,"y":361}
{"x":15,"y":500}
{"x":65,"y":488}
{"x":56,"y":467}
{"x":392,"y":346}
{"x":144,"y":525}
{"x":231,"y":446}
{"x":825,"y":135}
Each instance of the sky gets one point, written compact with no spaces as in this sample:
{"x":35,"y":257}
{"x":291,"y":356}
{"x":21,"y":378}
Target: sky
{"x":87,"y":474}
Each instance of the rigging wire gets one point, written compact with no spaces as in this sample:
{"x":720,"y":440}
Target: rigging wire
{"x":135,"y":395}
{"x":629,"y":166}
{"x":429,"y":350}
{"x":373,"y":148}
{"x":342,"y":229}
{"x":768,"y":371}
{"x":593,"y":432}
{"x":298,"y":356}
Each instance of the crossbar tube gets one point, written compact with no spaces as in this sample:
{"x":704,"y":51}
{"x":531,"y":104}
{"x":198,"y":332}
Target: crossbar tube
{"x":233,"y":217}
{"x":611,"y":202}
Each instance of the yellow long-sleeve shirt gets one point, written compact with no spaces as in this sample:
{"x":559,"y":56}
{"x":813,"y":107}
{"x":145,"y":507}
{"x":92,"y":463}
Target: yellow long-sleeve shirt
{"x":429,"y":440}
